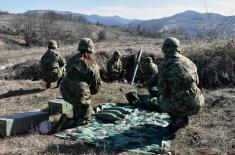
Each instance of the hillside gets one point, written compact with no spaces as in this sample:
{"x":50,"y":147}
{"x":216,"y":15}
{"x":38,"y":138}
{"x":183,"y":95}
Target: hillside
{"x":8,"y":37}
{"x":191,"y":23}
{"x":110,"y":21}
{"x":15,"y":31}
{"x":188,"y":23}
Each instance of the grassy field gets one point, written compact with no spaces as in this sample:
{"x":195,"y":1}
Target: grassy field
{"x":210,"y":132}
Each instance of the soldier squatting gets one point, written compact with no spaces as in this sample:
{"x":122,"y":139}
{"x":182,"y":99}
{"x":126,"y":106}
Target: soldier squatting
{"x":173,"y":86}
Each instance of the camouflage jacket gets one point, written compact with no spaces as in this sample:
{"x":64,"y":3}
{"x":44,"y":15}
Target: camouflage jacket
{"x":149,"y":70}
{"x":177,"y":83}
{"x":114,"y":66}
{"x":78,"y":71}
{"x":52,"y":60}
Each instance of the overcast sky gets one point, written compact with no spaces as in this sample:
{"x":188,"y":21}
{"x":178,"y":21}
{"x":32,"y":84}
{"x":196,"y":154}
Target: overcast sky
{"x":133,"y":9}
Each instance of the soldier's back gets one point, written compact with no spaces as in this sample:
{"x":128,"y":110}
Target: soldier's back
{"x":50,"y":59}
{"x":178,"y":81}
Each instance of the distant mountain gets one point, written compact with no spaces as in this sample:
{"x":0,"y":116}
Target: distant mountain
{"x":188,"y":22}
{"x":114,"y":20}
{"x":105,"y":20}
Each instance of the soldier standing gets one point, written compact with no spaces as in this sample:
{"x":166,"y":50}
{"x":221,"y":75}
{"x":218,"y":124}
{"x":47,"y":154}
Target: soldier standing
{"x":114,"y":68}
{"x":52,"y":65}
{"x":82,"y":81}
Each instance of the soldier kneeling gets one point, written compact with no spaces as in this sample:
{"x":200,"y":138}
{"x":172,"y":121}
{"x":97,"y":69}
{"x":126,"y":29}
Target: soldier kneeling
{"x":180,"y":96}
{"x":114,"y":68}
{"x":52,"y":65}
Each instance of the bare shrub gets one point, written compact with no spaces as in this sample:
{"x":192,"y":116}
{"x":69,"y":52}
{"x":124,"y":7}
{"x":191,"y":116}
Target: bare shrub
{"x":28,"y":70}
{"x":30,"y":30}
{"x":84,"y":30}
{"x":38,"y":30}
{"x":102,"y":35}
{"x":4,"y":13}
{"x":216,"y":65}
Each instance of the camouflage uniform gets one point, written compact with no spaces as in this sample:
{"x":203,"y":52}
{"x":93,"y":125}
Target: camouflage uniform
{"x":149,"y":76}
{"x":81,"y":82}
{"x":177,"y":82}
{"x":114,"y":67}
{"x":52,"y":65}
{"x":149,"y":69}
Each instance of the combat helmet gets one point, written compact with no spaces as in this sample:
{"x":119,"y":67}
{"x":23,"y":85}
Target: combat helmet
{"x":86,"y":44}
{"x":52,"y":44}
{"x":148,"y":60}
{"x":116,"y":53}
{"x":171,"y":44}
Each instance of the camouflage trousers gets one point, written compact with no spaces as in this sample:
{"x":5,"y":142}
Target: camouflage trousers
{"x":116,"y":76}
{"x":53,"y":75}
{"x":78,"y":94}
{"x":182,"y":103}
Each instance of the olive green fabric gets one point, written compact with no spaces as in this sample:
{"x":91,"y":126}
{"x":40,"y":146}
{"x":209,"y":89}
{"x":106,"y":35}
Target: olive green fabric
{"x":132,"y":97}
{"x":140,"y":131}
{"x":21,"y":123}
{"x":177,"y":84}
{"x":149,"y":69}
{"x":58,"y":105}
{"x":143,"y":101}
{"x":52,"y":65}
{"x":114,"y":67}
{"x":81,"y":82}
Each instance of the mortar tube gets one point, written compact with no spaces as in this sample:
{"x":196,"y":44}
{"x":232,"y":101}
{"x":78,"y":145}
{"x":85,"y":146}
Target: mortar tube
{"x":136,"y":66}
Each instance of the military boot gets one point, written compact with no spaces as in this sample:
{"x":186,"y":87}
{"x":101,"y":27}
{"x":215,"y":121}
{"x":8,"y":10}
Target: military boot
{"x":133,"y":98}
{"x":178,"y":123}
{"x":82,"y":115}
{"x":60,"y":124}
{"x":78,"y":120}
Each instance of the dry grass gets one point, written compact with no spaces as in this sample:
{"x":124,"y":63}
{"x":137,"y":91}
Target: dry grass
{"x":21,"y":96}
{"x":214,"y":59}
{"x":215,"y":62}
{"x":28,"y":95}
{"x":10,"y":42}
{"x":210,"y":132}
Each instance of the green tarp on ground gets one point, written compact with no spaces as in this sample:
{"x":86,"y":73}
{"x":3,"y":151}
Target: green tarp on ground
{"x":140,"y":131}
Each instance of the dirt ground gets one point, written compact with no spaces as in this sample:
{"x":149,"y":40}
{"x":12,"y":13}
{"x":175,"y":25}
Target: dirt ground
{"x":210,"y":132}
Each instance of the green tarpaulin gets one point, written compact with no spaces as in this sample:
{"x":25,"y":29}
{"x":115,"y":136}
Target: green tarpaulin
{"x":141,"y":131}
